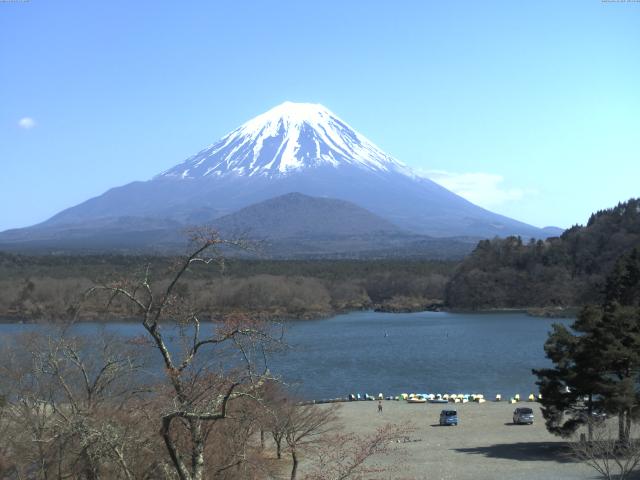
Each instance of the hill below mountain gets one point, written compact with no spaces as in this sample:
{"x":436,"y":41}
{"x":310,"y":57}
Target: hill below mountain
{"x":298,"y":215}
{"x":290,"y":226}
{"x":299,"y":226}
{"x":565,"y":271}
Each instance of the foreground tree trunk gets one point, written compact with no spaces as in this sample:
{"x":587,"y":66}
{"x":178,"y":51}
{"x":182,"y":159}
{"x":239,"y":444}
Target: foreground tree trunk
{"x":197,"y":459}
{"x":197,"y":394}
{"x":294,"y":467}
{"x":622,"y":428}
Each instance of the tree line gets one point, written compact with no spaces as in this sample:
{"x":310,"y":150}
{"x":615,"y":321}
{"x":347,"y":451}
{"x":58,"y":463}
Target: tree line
{"x":43,"y":288}
{"x":567,"y":271}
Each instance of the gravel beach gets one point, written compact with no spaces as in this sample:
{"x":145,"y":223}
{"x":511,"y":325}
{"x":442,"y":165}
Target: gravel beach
{"x":485,"y":444}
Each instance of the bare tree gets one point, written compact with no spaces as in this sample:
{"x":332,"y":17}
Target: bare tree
{"x":349,"y":456}
{"x":304,"y":427}
{"x":7,"y":465}
{"x":67,"y":400}
{"x":206,"y":367}
{"x":273,"y":415}
{"x":313,"y":431}
{"x":78,"y":406}
{"x":605,"y":453}
{"x":276,"y":421}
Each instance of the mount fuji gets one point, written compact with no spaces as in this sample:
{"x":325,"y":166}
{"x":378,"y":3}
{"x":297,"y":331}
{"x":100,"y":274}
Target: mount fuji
{"x":294,"y":147}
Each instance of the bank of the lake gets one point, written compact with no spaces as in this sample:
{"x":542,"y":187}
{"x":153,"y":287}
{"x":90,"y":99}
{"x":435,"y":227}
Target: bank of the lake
{"x":408,"y":305}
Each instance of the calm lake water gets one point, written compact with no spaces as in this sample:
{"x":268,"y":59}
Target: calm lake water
{"x":393,"y":353}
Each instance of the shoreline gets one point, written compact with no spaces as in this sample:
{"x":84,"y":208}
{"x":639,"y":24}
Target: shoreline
{"x":534,"y":312}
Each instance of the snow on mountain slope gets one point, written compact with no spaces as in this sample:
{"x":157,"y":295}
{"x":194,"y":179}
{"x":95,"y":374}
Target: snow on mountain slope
{"x":287,"y":138}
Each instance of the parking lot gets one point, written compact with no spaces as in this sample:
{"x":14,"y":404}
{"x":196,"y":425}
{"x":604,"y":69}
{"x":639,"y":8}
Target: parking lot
{"x":484,"y":445}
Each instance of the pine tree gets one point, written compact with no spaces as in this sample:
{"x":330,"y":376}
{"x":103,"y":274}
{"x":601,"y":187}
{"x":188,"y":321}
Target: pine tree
{"x":571,"y":391}
{"x":597,"y":362}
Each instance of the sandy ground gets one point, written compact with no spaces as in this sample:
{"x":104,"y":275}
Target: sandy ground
{"x":485,"y":444}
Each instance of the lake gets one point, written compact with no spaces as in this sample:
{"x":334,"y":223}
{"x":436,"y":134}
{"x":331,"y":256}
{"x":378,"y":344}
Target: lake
{"x":393,"y":353}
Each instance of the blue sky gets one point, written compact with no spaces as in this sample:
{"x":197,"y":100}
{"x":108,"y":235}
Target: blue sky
{"x":531,"y":109}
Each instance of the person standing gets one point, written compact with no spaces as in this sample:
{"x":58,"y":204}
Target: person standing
{"x":379,"y":406}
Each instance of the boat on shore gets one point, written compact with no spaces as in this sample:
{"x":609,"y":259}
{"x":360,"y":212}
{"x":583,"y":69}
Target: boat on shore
{"x":416,"y":400}
{"x":437,"y":399}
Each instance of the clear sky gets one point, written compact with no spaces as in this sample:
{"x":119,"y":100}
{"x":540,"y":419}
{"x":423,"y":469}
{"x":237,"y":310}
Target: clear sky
{"x":531,"y":109}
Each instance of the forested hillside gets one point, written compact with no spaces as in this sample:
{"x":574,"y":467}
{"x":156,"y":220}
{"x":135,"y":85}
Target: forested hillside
{"x":565,"y":271}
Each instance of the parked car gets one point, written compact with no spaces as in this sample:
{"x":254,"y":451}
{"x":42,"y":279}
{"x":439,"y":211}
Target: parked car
{"x":448,"y":417}
{"x":523,"y":415}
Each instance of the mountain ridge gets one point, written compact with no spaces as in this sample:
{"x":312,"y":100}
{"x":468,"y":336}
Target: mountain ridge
{"x":291,"y":148}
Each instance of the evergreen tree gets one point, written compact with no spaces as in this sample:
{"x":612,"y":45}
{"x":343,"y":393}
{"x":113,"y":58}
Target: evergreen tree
{"x":571,"y":391}
{"x":616,"y":340}
{"x":597,"y":362}
{"x":623,"y":284}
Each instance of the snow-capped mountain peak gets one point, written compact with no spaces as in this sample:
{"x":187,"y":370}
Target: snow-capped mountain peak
{"x":285,"y":139}
{"x":294,"y":147}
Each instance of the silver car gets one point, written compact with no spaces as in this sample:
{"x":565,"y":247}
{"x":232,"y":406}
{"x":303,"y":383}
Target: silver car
{"x":523,"y":415}
{"x":449,"y":417}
